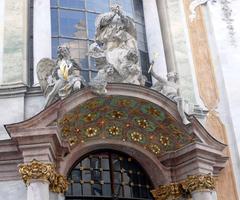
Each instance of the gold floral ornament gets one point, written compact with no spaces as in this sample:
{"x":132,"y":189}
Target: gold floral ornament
{"x":155,"y":148}
{"x":72,"y":140}
{"x":164,"y":192}
{"x":124,"y":102}
{"x":43,"y":171}
{"x":136,"y":136}
{"x":154,"y":111}
{"x":91,"y":132}
{"x":143,"y":123}
{"x":164,"y":140}
{"x":117,"y":114}
{"x":114,"y":131}
{"x":199,"y":182}
{"x":89,"y":117}
{"x":185,"y":187}
{"x":66,"y":131}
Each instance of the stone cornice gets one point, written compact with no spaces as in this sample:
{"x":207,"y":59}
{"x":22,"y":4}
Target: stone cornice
{"x":185,"y":187}
{"x":36,"y":170}
{"x":19,"y":90}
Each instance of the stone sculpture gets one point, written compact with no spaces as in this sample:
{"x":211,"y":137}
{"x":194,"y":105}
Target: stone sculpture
{"x":115,"y":51}
{"x":170,"y":89}
{"x":58,"y":79}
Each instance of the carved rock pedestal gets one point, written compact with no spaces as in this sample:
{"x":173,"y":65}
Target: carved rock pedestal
{"x":40,"y":178}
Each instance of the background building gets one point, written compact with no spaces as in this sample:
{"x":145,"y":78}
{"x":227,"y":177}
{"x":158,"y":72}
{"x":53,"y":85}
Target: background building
{"x":203,"y":49}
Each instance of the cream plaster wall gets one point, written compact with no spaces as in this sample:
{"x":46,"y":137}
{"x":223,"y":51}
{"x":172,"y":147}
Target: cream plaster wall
{"x":2,"y":12}
{"x":226,"y":58}
{"x":15,"y":42}
{"x":12,"y":110}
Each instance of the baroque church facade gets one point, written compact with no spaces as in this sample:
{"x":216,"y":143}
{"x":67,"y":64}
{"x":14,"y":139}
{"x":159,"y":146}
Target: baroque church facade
{"x":119,"y":99}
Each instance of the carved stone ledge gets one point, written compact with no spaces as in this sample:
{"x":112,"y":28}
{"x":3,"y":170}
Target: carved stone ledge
{"x":184,"y":188}
{"x":36,"y":170}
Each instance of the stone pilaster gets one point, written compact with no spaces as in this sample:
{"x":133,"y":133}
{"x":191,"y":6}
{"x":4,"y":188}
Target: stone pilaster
{"x":154,"y":36}
{"x":40,"y":178}
{"x":41,"y":33}
{"x":196,"y":187}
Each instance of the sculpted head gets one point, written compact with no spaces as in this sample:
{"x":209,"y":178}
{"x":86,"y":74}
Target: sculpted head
{"x":109,"y":70}
{"x":63,"y":52}
{"x":132,"y":56}
{"x":172,"y":76}
{"x":116,"y":8}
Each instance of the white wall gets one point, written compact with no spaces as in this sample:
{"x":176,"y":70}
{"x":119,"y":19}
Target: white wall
{"x":226,"y":57}
{"x":10,"y":190}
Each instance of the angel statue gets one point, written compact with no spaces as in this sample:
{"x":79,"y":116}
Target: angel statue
{"x":115,"y":47}
{"x":170,"y":89}
{"x":58,"y":79}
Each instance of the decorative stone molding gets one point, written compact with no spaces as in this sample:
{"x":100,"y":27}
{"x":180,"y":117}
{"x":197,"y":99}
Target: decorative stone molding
{"x":43,"y":171}
{"x":184,"y":188}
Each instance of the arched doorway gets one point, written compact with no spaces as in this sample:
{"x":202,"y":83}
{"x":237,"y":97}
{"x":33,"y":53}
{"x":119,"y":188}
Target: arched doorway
{"x":108,"y":175}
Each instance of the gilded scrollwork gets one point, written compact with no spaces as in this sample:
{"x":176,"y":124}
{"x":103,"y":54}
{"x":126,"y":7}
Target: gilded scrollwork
{"x":36,"y":170}
{"x":199,"y":182}
{"x":186,"y":187}
{"x":59,"y":184}
{"x":164,"y":192}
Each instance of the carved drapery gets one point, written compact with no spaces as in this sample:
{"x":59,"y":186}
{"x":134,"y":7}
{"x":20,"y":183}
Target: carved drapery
{"x":36,"y":170}
{"x":185,"y":187}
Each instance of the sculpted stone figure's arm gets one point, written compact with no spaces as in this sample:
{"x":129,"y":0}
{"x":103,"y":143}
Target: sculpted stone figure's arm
{"x":157,"y":77}
{"x":104,"y":20}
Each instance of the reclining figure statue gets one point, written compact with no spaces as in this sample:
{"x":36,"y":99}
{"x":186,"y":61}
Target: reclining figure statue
{"x":58,"y":79}
{"x":170,"y":89}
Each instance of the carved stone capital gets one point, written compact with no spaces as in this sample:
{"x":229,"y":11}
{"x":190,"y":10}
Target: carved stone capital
{"x":184,"y":188}
{"x":199,"y":182}
{"x":36,"y":170}
{"x":164,"y":192}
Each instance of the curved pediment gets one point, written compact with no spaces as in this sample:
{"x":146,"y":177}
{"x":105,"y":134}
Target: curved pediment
{"x":129,"y":113}
{"x":125,"y":118}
